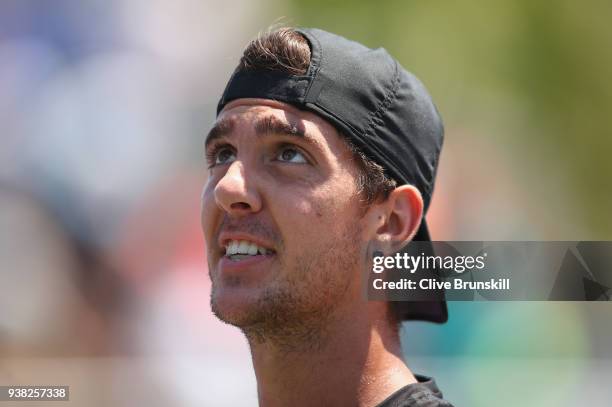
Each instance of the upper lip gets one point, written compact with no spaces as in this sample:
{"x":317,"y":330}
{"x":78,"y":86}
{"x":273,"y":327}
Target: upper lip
{"x":226,"y":237}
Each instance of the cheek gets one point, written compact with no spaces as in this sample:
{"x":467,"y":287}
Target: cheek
{"x":208,"y":210}
{"x":316,"y":216}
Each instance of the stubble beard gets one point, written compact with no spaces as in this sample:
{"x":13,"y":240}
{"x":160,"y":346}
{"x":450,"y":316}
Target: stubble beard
{"x":295,"y":311}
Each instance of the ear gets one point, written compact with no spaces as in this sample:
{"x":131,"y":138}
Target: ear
{"x":395,"y":221}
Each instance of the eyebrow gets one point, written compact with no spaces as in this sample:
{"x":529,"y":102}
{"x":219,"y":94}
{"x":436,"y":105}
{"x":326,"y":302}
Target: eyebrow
{"x":221,"y":128}
{"x":263,"y":126}
{"x":274,"y":125}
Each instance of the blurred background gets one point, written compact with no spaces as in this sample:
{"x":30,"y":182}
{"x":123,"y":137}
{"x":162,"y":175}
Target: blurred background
{"x":103,"y":110}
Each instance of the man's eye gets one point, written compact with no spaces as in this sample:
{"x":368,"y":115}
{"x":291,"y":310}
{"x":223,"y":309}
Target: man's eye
{"x":222,"y":156}
{"x":291,"y":155}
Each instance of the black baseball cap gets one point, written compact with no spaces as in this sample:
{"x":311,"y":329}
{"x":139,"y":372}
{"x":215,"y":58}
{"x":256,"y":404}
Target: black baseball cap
{"x":370,"y":98}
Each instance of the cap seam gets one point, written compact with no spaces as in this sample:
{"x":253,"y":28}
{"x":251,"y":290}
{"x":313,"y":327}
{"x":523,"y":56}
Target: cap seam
{"x":383,"y":105}
{"x":316,"y":60}
{"x":376,"y":119}
{"x":319,"y":55}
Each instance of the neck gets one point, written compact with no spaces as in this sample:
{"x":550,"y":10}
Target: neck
{"x":354,"y":360}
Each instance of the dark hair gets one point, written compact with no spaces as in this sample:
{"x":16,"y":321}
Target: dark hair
{"x":286,"y":50}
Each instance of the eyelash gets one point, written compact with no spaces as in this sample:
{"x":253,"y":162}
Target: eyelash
{"x":214,"y":149}
{"x":283,"y":146}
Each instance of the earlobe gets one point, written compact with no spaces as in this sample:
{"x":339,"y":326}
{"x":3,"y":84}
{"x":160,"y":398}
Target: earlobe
{"x":374,"y":227}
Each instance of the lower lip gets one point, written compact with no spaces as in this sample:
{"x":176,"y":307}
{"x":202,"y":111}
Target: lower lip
{"x":253,"y":263}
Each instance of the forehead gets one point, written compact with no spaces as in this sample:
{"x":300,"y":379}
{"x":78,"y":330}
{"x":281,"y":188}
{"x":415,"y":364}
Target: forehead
{"x":245,"y":116}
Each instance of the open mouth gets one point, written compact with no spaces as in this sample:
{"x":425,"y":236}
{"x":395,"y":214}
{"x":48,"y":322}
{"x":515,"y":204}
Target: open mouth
{"x":237,"y":250}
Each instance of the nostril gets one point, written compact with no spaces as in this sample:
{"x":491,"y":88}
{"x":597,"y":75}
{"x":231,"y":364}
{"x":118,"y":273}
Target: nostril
{"x":240,"y":205}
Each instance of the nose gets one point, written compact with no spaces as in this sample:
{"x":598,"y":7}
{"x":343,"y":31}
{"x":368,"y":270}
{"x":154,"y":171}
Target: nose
{"x":234,"y":194}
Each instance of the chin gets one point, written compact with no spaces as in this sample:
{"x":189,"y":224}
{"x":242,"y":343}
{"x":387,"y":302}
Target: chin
{"x":254,"y":308}
{"x":235,"y":306}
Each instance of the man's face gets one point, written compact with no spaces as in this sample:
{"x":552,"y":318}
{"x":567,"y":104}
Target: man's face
{"x":281,"y":216}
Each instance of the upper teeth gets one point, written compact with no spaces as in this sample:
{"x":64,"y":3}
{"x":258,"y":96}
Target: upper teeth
{"x":243,"y":247}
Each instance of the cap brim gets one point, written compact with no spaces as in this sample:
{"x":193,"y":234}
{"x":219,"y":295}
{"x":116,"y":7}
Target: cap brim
{"x":431,"y":311}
